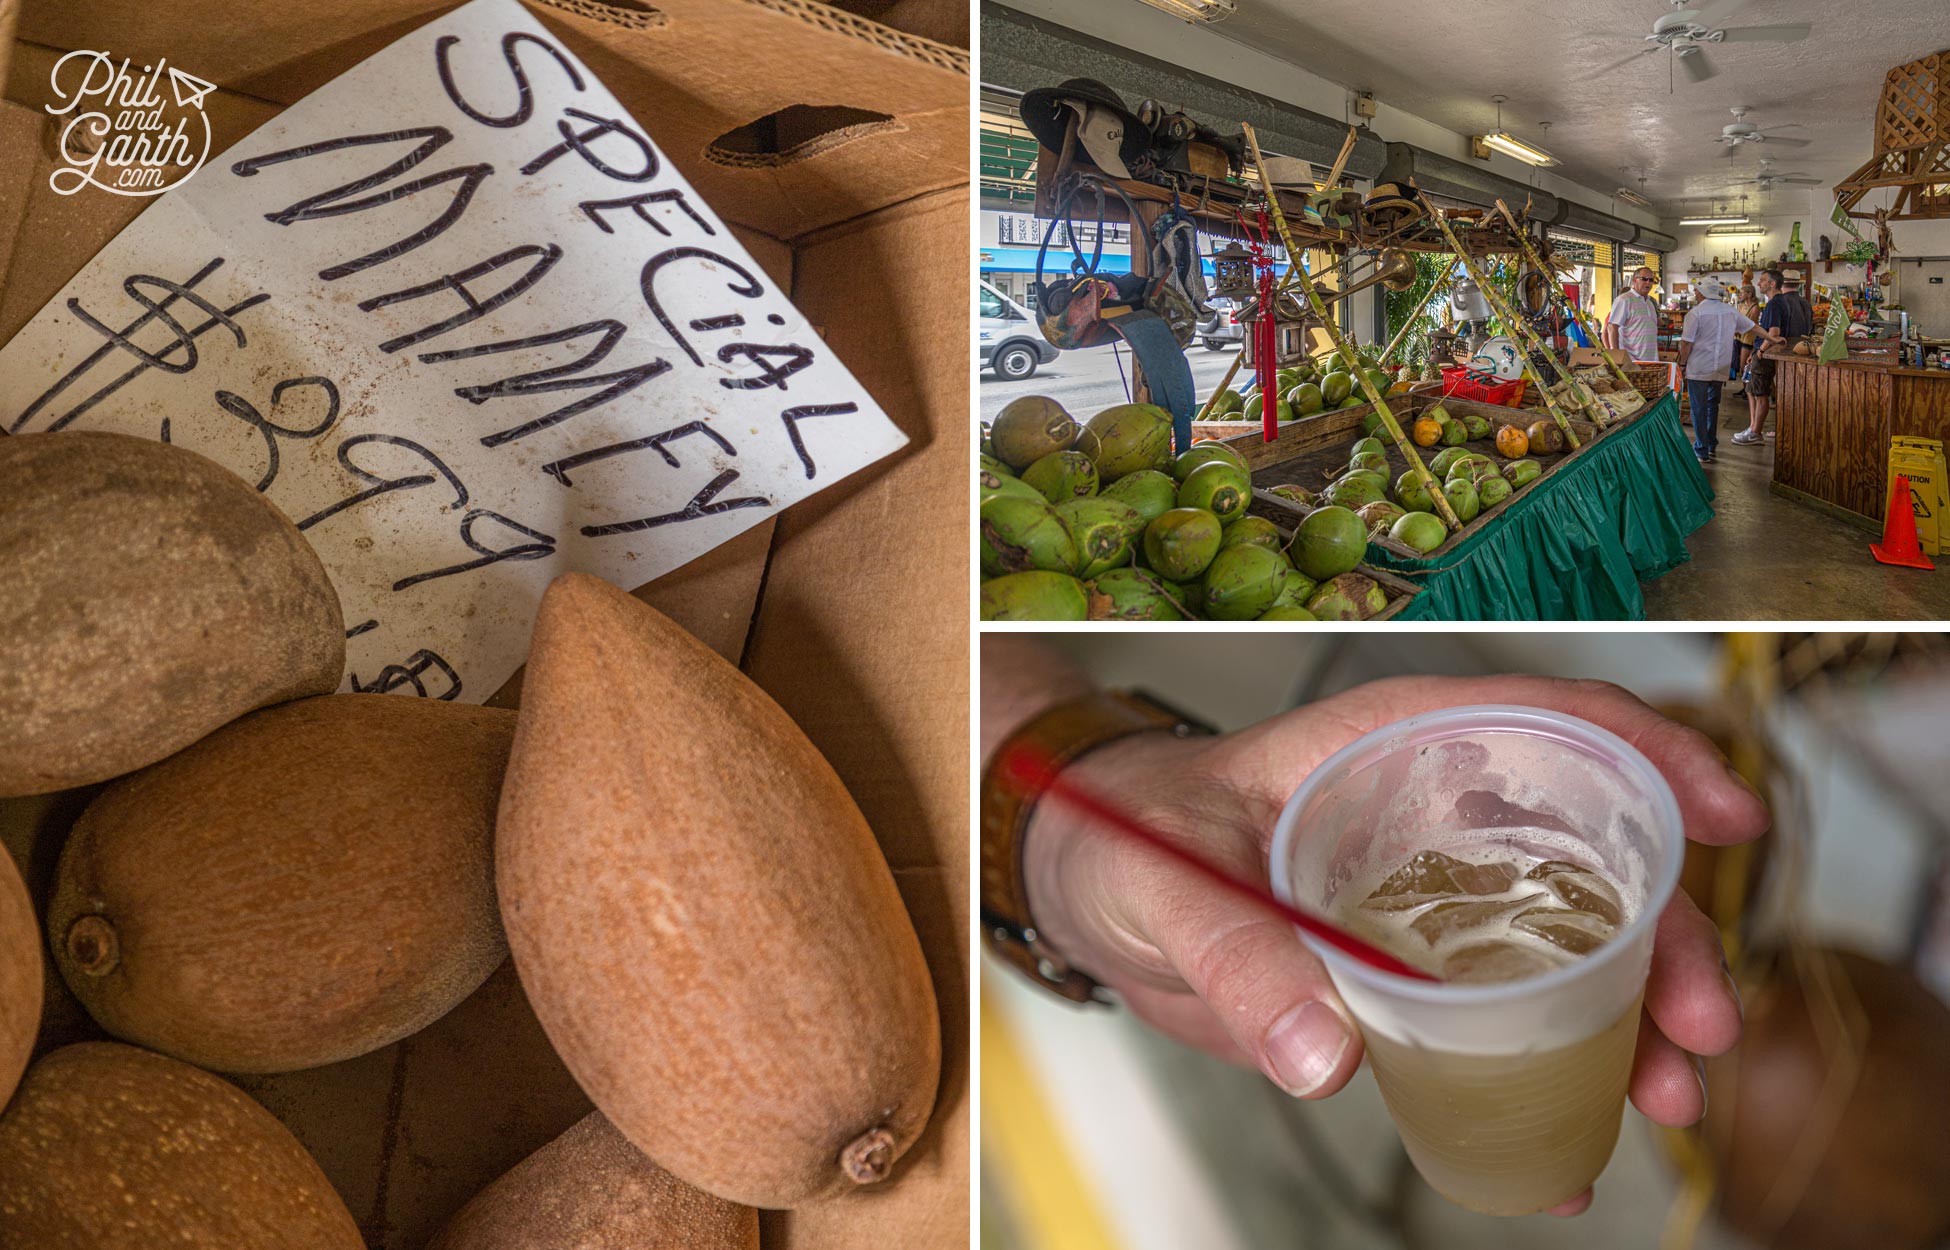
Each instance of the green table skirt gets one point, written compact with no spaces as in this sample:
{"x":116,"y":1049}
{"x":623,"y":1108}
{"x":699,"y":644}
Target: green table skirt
{"x":1576,"y":544}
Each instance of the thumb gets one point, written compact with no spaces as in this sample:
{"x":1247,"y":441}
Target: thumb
{"x":1268,"y":991}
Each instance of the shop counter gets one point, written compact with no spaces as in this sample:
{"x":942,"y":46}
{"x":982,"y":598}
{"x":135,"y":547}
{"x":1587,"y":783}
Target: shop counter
{"x":1833,"y":424}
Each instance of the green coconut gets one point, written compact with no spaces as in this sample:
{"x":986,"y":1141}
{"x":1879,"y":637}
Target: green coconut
{"x":1328,"y":542}
{"x":1287,"y":612}
{"x":1029,"y":428}
{"x":1205,"y":453}
{"x":1219,"y":487}
{"x":1444,"y":458}
{"x":1152,"y":493}
{"x":1335,"y":388}
{"x":1063,"y":475}
{"x":1104,"y":530}
{"x":988,"y":485}
{"x":1034,"y":596}
{"x":1362,"y":445}
{"x":1243,"y":581}
{"x":1369,"y":461}
{"x":1463,"y":498}
{"x":1521,"y":473}
{"x":1353,"y":491}
{"x":1478,"y":427}
{"x":1298,"y":494}
{"x":1295,"y":590}
{"x":1131,"y":595}
{"x":1420,"y":530}
{"x":1412,"y":494}
{"x":1454,"y":434}
{"x":1181,"y":543}
{"x":1129,"y":438}
{"x":1493,"y":490}
{"x":1378,"y":516}
{"x":1254,"y":530}
{"x":1349,"y":597}
{"x":1023,"y":534}
{"x":1305,"y":399}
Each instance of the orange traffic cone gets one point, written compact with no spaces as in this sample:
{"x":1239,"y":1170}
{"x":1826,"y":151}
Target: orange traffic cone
{"x":1899,"y":545}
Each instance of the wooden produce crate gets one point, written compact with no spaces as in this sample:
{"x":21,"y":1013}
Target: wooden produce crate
{"x":1238,"y":435}
{"x":1315,"y":451}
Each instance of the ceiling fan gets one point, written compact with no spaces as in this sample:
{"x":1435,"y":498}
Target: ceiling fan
{"x":1685,"y":31}
{"x":1768,"y":180}
{"x":1741,"y":131}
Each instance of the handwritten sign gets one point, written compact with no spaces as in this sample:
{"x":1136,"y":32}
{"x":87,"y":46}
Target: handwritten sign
{"x":458,"y":318}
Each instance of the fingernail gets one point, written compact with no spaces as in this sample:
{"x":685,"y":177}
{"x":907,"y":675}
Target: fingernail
{"x":1733,"y":990}
{"x":1699,"y":1071}
{"x":1744,"y":784}
{"x":1304,"y":1047}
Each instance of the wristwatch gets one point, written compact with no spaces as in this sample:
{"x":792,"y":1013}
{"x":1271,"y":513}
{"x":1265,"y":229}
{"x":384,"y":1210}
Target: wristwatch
{"x":1059,"y":735}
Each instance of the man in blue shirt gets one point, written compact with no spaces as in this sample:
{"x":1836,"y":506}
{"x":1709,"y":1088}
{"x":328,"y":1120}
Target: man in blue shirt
{"x":1785,"y":321}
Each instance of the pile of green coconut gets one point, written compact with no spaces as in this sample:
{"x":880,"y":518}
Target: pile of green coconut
{"x":1101,"y":522}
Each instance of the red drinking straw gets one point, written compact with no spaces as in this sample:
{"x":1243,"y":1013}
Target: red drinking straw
{"x":1031,"y":770}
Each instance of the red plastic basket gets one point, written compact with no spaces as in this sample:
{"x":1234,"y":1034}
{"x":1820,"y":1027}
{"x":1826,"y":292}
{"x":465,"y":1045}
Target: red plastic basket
{"x":1457,"y":384}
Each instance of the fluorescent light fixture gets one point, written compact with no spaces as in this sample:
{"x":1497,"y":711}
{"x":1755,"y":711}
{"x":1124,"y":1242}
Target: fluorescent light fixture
{"x":1508,"y":144}
{"x":1736,"y":232}
{"x":1713,"y":221}
{"x":1632,"y":197}
{"x":1197,"y":10}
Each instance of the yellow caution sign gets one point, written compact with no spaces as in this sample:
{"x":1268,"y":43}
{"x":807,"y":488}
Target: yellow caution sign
{"x":1921,"y":461}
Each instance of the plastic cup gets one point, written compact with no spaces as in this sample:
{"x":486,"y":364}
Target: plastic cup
{"x":1508,"y":1096}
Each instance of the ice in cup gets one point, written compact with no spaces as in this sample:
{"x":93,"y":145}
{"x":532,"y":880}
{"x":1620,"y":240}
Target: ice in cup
{"x":1523,"y":856}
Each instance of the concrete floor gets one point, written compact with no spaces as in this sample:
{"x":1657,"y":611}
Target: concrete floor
{"x":1767,"y":558}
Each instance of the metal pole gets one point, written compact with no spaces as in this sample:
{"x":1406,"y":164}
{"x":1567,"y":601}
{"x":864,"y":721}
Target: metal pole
{"x":1577,"y":314}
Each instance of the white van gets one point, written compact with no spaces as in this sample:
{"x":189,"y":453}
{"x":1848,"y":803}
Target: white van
{"x":1007,"y":339}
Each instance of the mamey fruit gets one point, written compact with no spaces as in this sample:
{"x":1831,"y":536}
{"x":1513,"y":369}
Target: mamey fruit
{"x":1029,"y":428}
{"x":20,"y":976}
{"x":1241,"y":582}
{"x":1463,"y":498}
{"x":1179,"y":544}
{"x":1349,"y":597}
{"x":1420,"y":530}
{"x":1104,"y":530}
{"x":701,"y":917}
{"x":1023,"y":534}
{"x":1512,"y":442}
{"x":1202,"y":453}
{"x":109,"y":1147}
{"x":1545,"y":436}
{"x":1329,"y":541}
{"x":1130,"y":437}
{"x":1221,"y":488}
{"x":1131,"y":595}
{"x":1427,"y":432}
{"x":304,"y":885}
{"x":1062,"y":475}
{"x":589,"y":1189}
{"x":1152,"y":493}
{"x":1255,"y":530}
{"x":1033,"y":596}
{"x":151,"y":596}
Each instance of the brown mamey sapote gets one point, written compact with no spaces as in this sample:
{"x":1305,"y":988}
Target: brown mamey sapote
{"x":701,"y":916}
{"x":20,"y":976}
{"x":110,"y":1147}
{"x":304,"y":885}
{"x":149,"y":596}
{"x":589,"y":1189}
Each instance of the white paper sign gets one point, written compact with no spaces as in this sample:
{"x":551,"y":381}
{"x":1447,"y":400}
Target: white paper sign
{"x":459,"y":319}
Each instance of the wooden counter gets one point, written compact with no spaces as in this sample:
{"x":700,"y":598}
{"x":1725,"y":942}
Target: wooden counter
{"x":1833,"y":425}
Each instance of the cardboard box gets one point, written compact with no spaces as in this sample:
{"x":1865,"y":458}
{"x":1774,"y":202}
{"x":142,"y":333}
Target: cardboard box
{"x":863,"y":215}
{"x":1582,"y":356}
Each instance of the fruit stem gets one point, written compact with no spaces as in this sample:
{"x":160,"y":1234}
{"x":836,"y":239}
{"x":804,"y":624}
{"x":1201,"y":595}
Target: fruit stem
{"x":93,"y":947}
{"x":869,"y":1157}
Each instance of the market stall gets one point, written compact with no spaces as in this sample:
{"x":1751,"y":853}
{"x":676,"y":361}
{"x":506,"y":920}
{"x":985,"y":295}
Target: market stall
{"x":1838,"y":423}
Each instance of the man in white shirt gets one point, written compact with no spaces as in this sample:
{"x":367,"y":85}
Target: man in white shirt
{"x":1633,"y":325}
{"x":1705,"y":352}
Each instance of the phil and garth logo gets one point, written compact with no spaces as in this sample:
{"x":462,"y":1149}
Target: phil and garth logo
{"x":122,"y":134}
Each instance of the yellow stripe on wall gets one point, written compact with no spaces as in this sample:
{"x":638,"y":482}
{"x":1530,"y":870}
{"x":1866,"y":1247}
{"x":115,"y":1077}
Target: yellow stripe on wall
{"x":1053,"y":1204}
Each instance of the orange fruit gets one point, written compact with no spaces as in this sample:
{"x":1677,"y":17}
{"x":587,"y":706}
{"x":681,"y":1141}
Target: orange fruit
{"x":1427,"y":432}
{"x":1512,"y":442}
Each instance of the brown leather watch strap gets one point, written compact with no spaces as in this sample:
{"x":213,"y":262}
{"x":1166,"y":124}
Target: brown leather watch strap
{"x":1061,"y":735}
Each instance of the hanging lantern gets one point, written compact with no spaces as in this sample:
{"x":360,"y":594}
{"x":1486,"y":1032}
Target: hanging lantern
{"x":1290,"y":323}
{"x":1232,"y":268}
